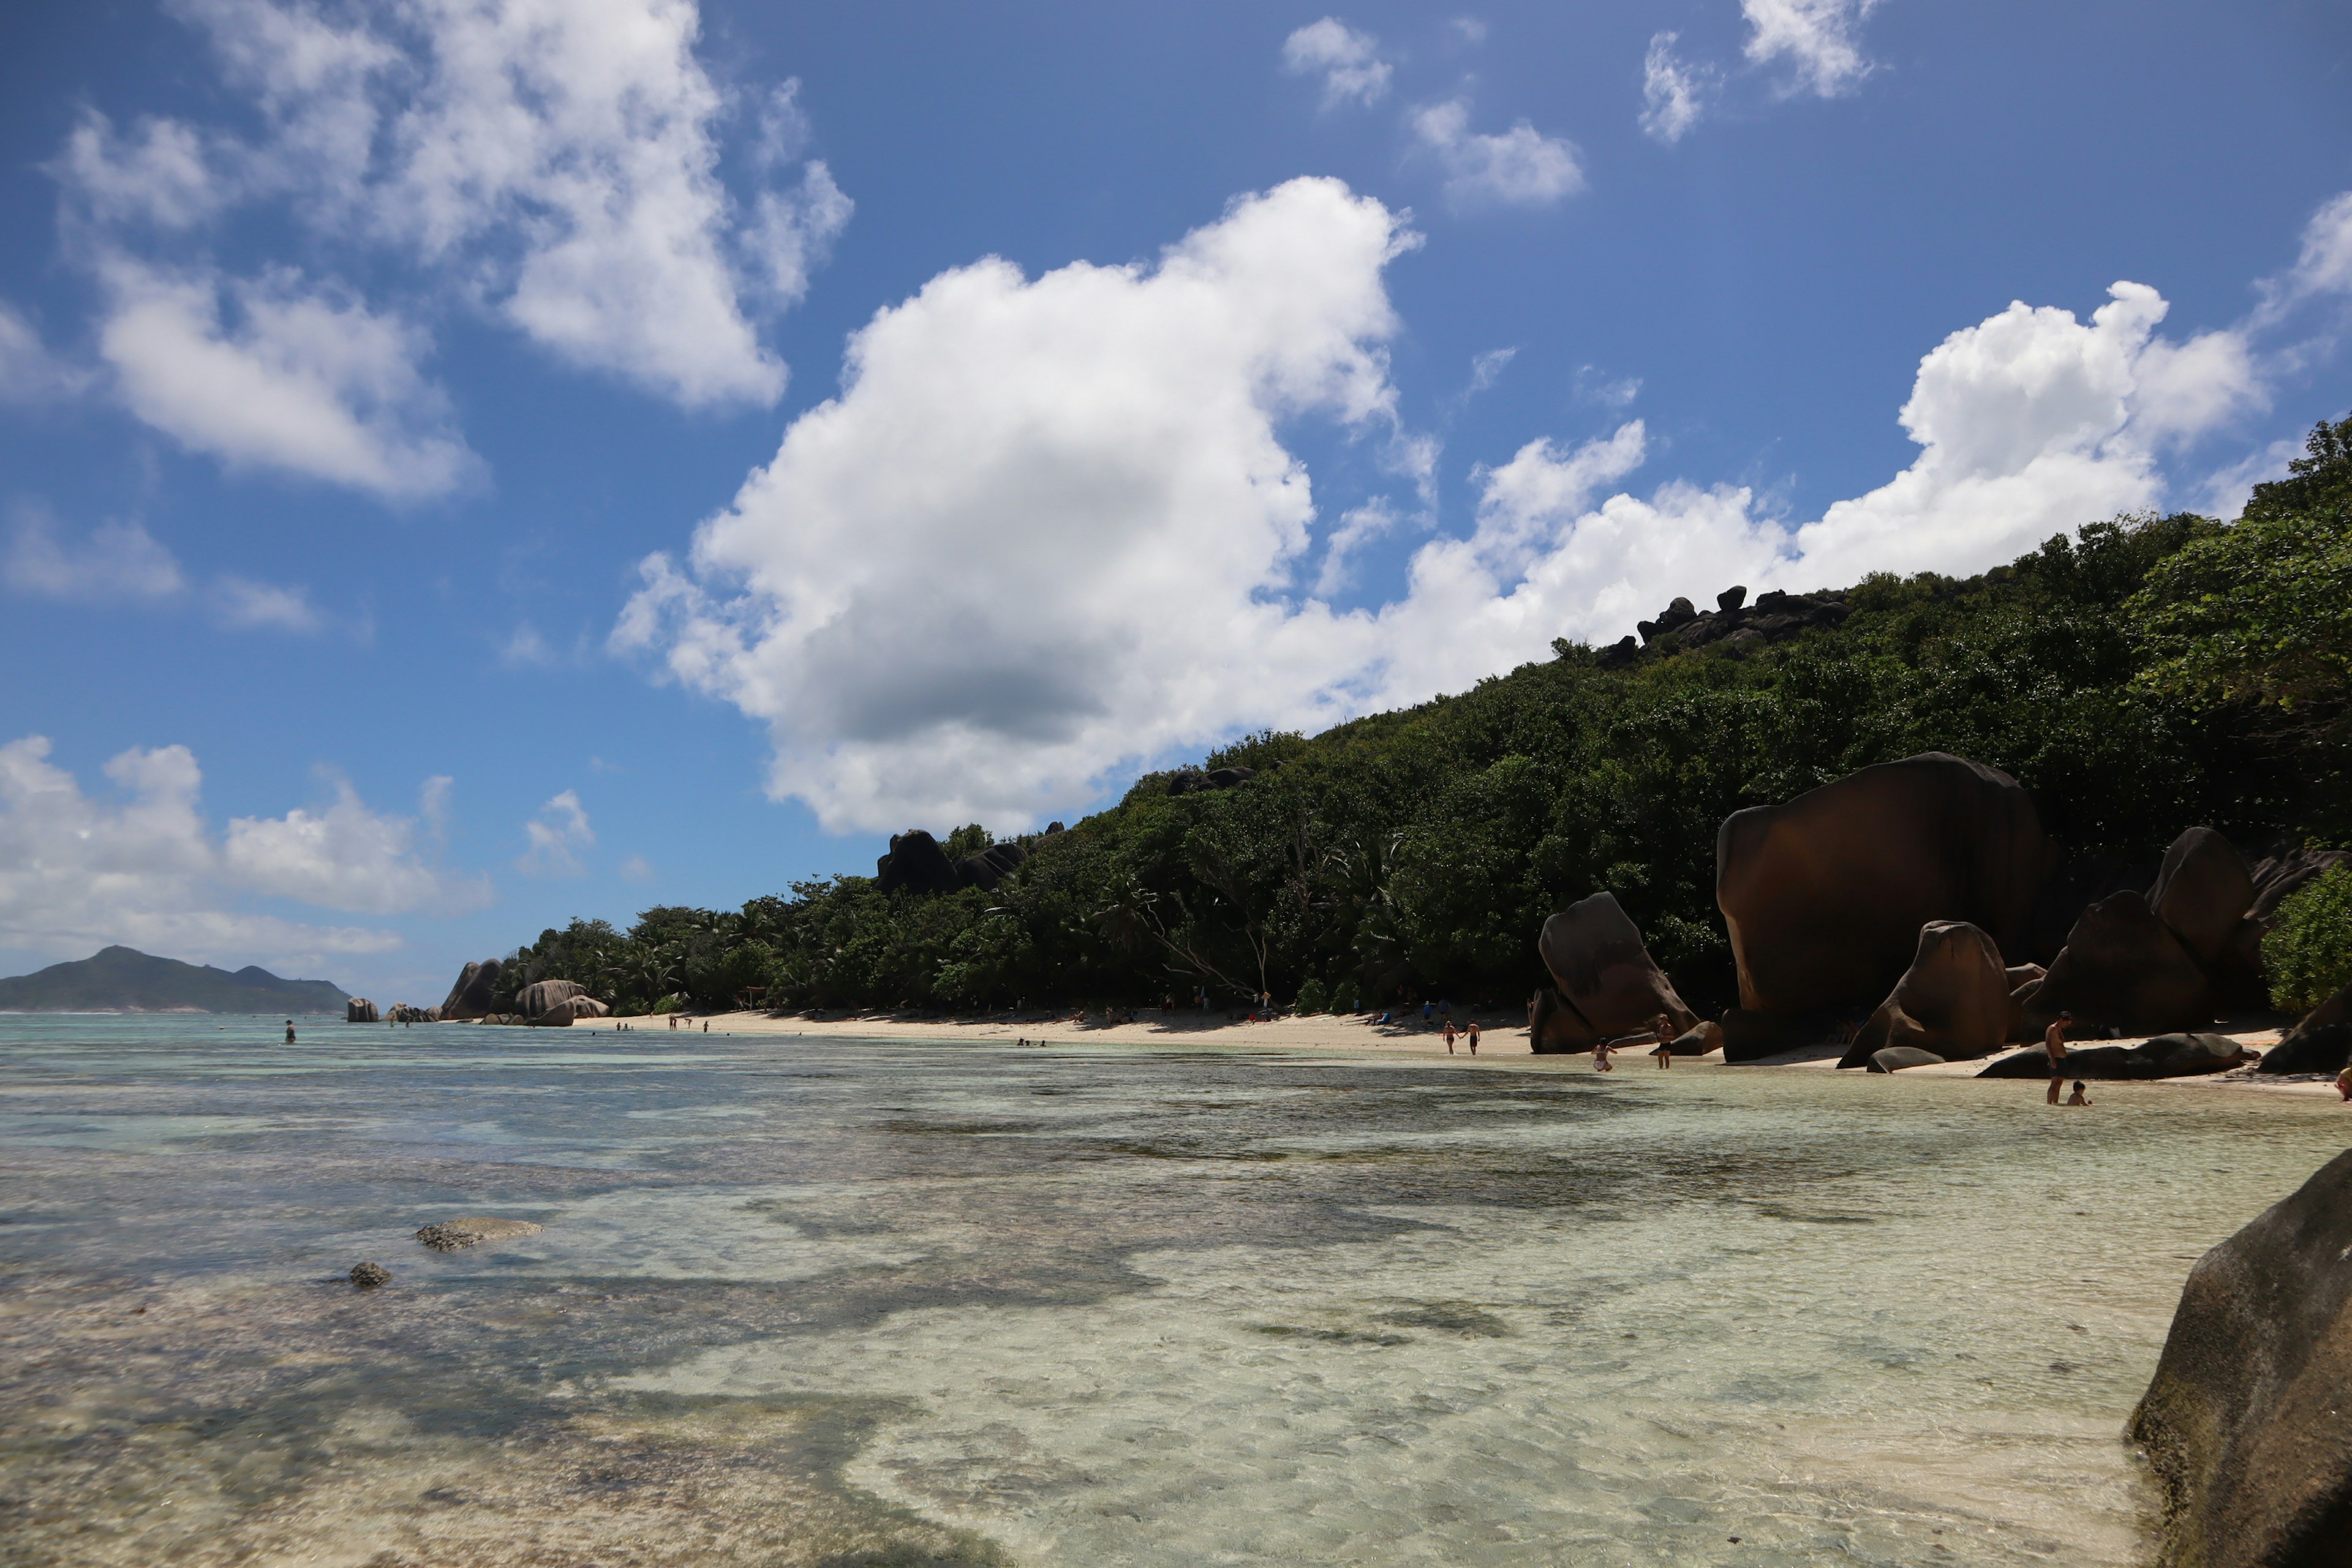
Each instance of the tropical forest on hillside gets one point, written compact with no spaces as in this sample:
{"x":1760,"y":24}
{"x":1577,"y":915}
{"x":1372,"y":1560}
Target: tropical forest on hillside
{"x":2144,"y":675}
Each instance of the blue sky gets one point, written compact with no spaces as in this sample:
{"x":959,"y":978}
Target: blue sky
{"x":464,"y":463}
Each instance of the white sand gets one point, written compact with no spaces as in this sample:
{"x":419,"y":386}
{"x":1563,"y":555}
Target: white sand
{"x":1502,"y":1037}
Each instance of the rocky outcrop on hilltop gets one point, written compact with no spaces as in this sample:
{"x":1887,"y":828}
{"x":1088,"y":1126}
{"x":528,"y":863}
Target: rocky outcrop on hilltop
{"x":1775,"y":617}
{"x":2248,"y":1423}
{"x":917,"y":864}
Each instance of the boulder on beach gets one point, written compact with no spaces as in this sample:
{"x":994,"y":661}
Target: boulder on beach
{"x":2320,"y":1042}
{"x":1894,"y":1059}
{"x":541,"y":995}
{"x":1608,"y":982}
{"x":2202,"y":893}
{"x":1824,"y":896}
{"x":2163,"y":1056}
{"x":1953,"y":1001}
{"x":2104,"y":1062}
{"x":2245,"y":1421}
{"x":359,"y":1010}
{"x":569,"y":1011}
{"x":1698,"y":1040}
{"x":2123,"y":968}
{"x":477,"y":986}
{"x":456,"y":1235}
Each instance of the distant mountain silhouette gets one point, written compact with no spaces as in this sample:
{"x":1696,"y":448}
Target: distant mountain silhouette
{"x":124,"y":980}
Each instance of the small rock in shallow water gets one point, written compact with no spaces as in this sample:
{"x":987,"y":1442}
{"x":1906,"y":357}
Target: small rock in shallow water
{"x":453,"y":1235}
{"x":368,"y":1276}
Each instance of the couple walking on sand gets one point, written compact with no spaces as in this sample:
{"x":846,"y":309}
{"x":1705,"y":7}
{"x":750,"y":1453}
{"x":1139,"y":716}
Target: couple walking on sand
{"x":1471,"y":1034}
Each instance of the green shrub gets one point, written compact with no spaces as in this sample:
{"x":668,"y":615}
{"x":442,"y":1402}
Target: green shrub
{"x":2309,"y":950}
{"x":1345,"y":998}
{"x":1312,"y":997}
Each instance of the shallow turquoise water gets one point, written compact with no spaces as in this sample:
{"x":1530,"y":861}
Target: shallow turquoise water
{"x":830,"y":1300}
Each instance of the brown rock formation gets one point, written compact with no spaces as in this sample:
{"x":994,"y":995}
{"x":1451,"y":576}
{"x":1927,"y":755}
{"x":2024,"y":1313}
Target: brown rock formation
{"x":1825,"y":896}
{"x":1608,"y":982}
{"x":1953,"y":1001}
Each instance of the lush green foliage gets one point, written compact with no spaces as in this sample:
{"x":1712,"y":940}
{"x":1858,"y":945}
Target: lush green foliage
{"x":2309,"y":952}
{"x":2263,"y":611}
{"x":1421,"y":850}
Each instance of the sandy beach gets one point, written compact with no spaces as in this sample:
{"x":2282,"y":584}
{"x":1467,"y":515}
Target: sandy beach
{"x":1503,"y":1038}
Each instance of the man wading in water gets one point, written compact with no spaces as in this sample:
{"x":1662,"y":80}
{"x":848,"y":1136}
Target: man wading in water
{"x":2053,"y":1040}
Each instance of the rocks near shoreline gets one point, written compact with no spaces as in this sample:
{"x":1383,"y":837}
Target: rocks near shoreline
{"x":2248,"y":1422}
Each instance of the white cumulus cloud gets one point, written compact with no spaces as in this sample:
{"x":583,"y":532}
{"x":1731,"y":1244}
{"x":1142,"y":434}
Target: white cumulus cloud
{"x":557,"y":163}
{"x":1036,"y":531}
{"x":119,"y":560}
{"x":1049,"y":531}
{"x":347,"y":856}
{"x":1349,"y":61}
{"x":142,"y":866}
{"x":240,"y":604}
{"x":1815,"y":38}
{"x":557,"y":835}
{"x":1521,"y":167}
{"x":290,"y":376}
{"x":29,"y":372}
{"x":1673,"y":93}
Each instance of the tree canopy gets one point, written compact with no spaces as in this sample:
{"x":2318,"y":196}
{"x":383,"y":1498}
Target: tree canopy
{"x":2134,"y":677}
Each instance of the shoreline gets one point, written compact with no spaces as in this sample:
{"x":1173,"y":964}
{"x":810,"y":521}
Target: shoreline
{"x":1505,"y":1040}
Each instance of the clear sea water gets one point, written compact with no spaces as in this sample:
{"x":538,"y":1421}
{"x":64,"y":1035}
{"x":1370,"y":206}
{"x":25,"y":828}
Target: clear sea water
{"x":835,"y":1301}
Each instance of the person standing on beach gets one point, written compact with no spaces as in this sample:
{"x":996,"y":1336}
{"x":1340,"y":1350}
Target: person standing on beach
{"x":2053,"y":1040}
{"x":1474,"y":1036}
{"x":1449,"y":1036}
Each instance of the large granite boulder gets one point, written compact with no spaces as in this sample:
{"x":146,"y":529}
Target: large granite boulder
{"x":1555,"y":1030}
{"x":471,"y":997}
{"x":2202,"y":892}
{"x":569,"y":1011}
{"x":2184,"y":1056}
{"x":917,"y":863}
{"x":2089,"y":1061}
{"x":2123,"y":968}
{"x":1607,"y":981}
{"x":541,"y":995}
{"x":991,"y":865}
{"x":2248,"y":1423}
{"x":359,"y":1010}
{"x":1894,"y":1059}
{"x":2320,"y":1042}
{"x":1824,"y":896}
{"x":2284,"y":870}
{"x":1952,"y":1001}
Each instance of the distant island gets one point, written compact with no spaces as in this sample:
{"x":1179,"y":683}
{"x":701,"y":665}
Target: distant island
{"x":124,"y":980}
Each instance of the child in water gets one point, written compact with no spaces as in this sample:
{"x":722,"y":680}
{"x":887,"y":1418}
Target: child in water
{"x":2078,"y":1096}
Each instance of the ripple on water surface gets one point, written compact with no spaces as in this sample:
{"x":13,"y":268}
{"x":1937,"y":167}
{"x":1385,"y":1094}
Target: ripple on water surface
{"x":810,"y":1300}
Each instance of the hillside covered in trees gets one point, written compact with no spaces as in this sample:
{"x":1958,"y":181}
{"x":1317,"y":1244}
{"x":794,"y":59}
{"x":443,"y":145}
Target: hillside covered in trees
{"x":2148,"y":674}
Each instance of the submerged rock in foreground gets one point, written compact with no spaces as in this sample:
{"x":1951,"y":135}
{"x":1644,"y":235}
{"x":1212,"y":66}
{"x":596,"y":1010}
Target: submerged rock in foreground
{"x":456,"y":1235}
{"x":2248,"y":1424}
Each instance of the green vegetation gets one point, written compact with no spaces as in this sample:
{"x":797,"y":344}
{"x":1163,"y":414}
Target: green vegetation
{"x":2134,"y":677}
{"x":2309,"y":952}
